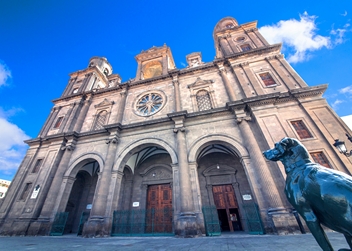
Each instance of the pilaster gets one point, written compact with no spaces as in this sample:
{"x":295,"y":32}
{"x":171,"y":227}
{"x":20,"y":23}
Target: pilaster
{"x":177,"y":93}
{"x":186,"y":224}
{"x":229,"y":88}
{"x":83,"y":113}
{"x":98,"y":223}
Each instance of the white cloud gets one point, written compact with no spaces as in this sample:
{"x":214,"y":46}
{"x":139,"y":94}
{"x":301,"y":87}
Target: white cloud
{"x":299,"y":36}
{"x":12,"y":147}
{"x":346,"y":90}
{"x":348,"y":120}
{"x":339,"y":34}
{"x":5,"y":74}
{"x":336,"y":103}
{"x":183,"y":64}
{"x":344,"y":14}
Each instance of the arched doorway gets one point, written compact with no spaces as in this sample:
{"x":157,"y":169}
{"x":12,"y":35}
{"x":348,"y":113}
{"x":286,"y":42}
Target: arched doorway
{"x":146,"y":195}
{"x":223,"y":185}
{"x":81,"y":197}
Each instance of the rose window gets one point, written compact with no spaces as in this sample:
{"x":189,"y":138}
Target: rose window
{"x":149,"y":104}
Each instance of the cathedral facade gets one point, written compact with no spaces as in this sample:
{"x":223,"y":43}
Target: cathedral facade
{"x":173,"y":151}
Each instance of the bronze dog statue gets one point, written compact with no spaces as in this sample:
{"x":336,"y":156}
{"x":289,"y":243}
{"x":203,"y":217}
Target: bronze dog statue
{"x":319,"y":194}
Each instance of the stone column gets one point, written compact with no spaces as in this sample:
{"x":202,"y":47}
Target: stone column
{"x":276,"y":65}
{"x":258,"y":89}
{"x":82,"y":113}
{"x":46,"y":124}
{"x":261,"y":38}
{"x":245,"y":88}
{"x":177,"y":93}
{"x":98,"y":223}
{"x":121,"y":108}
{"x":68,"y":121}
{"x":271,"y":197}
{"x":186,"y":224}
{"x":51,"y":120}
{"x":293,"y":73}
{"x":229,"y":88}
{"x":52,"y":199}
{"x":258,"y":173}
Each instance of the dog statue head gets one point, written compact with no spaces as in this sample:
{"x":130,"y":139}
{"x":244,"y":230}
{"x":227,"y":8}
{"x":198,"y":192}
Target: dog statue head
{"x":290,"y":152}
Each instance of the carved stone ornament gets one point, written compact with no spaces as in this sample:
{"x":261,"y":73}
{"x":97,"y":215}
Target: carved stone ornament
{"x":200,"y":82}
{"x":240,"y":119}
{"x":181,"y":129}
{"x":113,"y":140}
{"x":104,"y":103}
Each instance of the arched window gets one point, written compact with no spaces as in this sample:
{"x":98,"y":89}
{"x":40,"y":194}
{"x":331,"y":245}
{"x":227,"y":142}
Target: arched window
{"x":100,"y":120}
{"x":203,"y":100}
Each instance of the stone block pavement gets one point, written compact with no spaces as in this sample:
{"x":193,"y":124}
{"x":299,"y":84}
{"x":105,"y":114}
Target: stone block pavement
{"x":304,"y":242}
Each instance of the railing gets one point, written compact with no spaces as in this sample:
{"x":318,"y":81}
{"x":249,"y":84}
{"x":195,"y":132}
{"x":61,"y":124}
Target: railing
{"x":254,"y":221}
{"x":211,"y":221}
{"x":143,"y":222}
{"x":59,"y":224}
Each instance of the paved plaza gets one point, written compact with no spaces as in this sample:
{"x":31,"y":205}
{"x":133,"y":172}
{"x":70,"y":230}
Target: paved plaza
{"x":304,"y":242}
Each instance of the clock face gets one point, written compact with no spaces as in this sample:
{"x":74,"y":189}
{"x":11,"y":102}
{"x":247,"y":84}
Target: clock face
{"x":152,"y":69}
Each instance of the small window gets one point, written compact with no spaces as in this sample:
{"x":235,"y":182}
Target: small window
{"x":106,"y":72}
{"x":37,"y":165}
{"x":240,"y":39}
{"x":100,"y":120}
{"x":58,"y":122}
{"x":203,"y":100}
{"x":75,"y":90}
{"x":1,"y":194}
{"x":229,"y":25}
{"x":301,"y":129}
{"x":320,"y":158}
{"x":245,"y":47}
{"x":26,"y":190}
{"x":267,"y":79}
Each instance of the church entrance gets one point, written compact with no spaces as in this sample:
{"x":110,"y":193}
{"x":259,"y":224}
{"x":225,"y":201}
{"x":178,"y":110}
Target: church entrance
{"x":81,"y":198}
{"x":227,"y":207}
{"x":159,"y":209}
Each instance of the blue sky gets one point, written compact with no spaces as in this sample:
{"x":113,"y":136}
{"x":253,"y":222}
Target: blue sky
{"x":41,"y":42}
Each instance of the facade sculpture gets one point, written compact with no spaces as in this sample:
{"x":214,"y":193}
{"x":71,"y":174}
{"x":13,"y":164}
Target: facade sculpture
{"x":173,"y":146}
{"x":319,"y":194}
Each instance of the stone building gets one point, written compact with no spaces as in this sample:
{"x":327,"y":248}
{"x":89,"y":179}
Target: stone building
{"x":175,"y":151}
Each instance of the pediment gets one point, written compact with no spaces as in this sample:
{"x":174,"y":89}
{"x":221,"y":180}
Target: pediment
{"x":200,"y":82}
{"x":104,"y":103}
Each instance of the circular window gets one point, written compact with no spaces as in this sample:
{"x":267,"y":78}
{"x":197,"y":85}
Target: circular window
{"x":75,"y":90}
{"x":149,"y":104}
{"x":239,"y":39}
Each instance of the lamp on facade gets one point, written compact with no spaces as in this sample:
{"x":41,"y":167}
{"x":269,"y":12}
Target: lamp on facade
{"x":217,"y":166}
{"x":340,"y":145}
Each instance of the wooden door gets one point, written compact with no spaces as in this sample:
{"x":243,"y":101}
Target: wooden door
{"x":225,"y":198}
{"x":159,"y":208}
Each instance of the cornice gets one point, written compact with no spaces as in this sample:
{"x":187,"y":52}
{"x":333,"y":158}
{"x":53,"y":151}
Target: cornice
{"x":260,"y":50}
{"x":145,"y":81}
{"x":93,"y":92}
{"x":197,"y":68}
{"x":144,"y":123}
{"x":274,"y":98}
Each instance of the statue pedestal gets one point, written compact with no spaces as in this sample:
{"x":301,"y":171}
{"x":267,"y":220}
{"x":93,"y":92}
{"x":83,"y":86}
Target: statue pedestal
{"x":187,"y":226}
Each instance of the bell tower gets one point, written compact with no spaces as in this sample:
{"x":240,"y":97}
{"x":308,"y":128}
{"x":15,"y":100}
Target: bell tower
{"x":155,"y":62}
{"x":231,"y":38}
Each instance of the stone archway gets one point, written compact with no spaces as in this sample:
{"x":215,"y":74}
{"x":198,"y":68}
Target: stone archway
{"x":223,"y":183}
{"x":81,"y":196}
{"x":145,"y":190}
